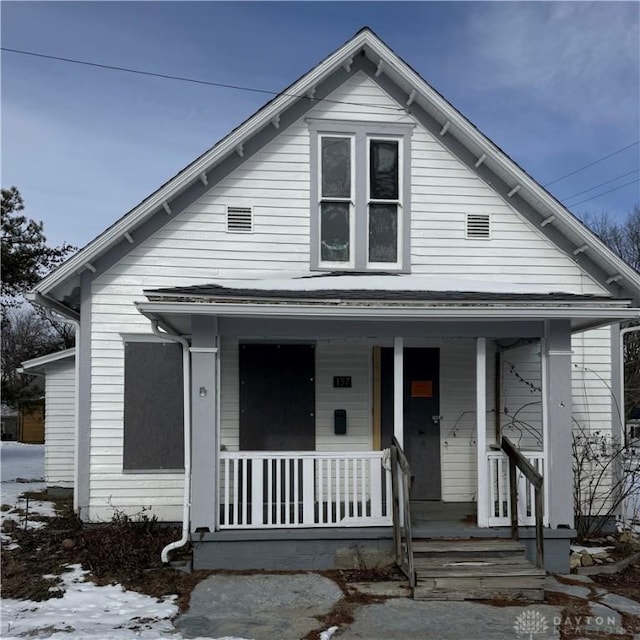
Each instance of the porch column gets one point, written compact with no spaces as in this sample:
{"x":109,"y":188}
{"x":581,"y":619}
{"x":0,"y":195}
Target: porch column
{"x":398,"y":385}
{"x":557,"y":410}
{"x":204,"y":423}
{"x":481,"y":432}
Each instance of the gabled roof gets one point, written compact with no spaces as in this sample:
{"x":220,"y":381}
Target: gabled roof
{"x":519,"y":187}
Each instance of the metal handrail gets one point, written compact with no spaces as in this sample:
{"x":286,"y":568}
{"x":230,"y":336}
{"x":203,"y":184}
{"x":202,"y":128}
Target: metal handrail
{"x":517,"y":460}
{"x":401,"y":472}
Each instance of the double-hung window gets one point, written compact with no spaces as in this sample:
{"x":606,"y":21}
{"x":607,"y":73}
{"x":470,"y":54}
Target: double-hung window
{"x":336,"y":200}
{"x":384,"y":204}
{"x":359,"y":196}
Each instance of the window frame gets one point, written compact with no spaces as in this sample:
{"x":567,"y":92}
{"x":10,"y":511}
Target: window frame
{"x":361,"y":133}
{"x":331,"y":264}
{"x":381,"y":266}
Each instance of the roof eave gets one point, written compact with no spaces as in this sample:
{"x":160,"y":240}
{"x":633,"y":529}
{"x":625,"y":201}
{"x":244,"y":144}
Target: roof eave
{"x":50,"y":358}
{"x":266,"y":114}
{"x":614,"y":311}
{"x":462,"y":124}
{"x":191,"y":173}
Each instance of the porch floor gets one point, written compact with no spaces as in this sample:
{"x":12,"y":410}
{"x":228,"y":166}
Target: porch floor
{"x":436,"y":519}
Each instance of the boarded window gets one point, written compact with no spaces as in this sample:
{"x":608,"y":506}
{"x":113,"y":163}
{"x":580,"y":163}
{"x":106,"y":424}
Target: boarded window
{"x":153,"y":406}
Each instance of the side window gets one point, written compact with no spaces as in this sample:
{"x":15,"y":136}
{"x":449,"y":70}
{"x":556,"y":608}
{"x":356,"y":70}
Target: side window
{"x":153,"y":407}
{"x":336,"y":200}
{"x":383,"y":202}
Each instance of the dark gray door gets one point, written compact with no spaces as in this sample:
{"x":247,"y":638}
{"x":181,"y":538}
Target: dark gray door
{"x":277,"y":397}
{"x":421,"y":416}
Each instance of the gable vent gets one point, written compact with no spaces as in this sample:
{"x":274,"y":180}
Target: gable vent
{"x":478,"y":225}
{"x":239,"y":219}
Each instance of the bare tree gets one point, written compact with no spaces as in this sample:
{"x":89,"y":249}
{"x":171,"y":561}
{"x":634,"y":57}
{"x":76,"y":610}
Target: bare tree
{"x":27,"y":334}
{"x":624,"y":239}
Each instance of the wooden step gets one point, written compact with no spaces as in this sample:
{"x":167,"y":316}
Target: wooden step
{"x":475,"y":547}
{"x":475,"y":569}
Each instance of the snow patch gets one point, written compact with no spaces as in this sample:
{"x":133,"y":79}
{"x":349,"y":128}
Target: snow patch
{"x":397,"y":282}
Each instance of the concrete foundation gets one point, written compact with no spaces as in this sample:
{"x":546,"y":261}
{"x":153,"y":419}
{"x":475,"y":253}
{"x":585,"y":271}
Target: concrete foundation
{"x":364,"y":548}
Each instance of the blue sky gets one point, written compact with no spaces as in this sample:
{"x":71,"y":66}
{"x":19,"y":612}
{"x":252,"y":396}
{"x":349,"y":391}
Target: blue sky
{"x":555,"y":84}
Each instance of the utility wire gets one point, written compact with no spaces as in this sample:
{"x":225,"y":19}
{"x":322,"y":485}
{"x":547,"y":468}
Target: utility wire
{"x":185,"y":79}
{"x":626,"y":184}
{"x":276,"y":93}
{"x":586,"y":166}
{"x":623,"y":175}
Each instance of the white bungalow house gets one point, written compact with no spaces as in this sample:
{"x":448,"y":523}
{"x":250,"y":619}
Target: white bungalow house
{"x":355,"y":262}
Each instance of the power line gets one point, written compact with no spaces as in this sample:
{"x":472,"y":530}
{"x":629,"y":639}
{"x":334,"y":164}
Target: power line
{"x":166,"y":76}
{"x":604,"y":193}
{"x":276,"y":93}
{"x":586,"y":166}
{"x":623,"y":175}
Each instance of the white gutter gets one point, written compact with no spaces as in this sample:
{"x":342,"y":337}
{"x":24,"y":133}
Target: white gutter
{"x":186,"y":378}
{"x":617,"y":311}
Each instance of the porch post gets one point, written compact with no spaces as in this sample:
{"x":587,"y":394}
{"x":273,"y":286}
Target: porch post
{"x":398,"y":385}
{"x":481,"y":432}
{"x":204,"y":427}
{"x":557,"y":396}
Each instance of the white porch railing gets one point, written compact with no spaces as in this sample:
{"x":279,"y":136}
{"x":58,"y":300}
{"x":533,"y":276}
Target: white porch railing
{"x":499,"y":503}
{"x":269,"y":490}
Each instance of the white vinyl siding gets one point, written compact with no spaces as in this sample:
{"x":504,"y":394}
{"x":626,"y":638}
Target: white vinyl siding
{"x":592,"y":397}
{"x":60,"y":407}
{"x":194,"y":247}
{"x":521,"y":396}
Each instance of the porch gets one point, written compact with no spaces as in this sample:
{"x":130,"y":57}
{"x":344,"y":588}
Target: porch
{"x":299,"y":451}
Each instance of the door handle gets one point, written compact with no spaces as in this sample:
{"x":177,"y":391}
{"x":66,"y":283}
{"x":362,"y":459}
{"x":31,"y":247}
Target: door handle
{"x":436,"y":419}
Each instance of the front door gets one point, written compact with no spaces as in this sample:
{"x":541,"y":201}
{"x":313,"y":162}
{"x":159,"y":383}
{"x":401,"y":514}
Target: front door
{"x":421,"y":397}
{"x":277,"y":397}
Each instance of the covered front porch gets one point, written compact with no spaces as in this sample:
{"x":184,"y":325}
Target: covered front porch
{"x":295,"y":399}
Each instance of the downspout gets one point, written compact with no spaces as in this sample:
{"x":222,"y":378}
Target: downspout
{"x":623,"y":333}
{"x":186,"y":380}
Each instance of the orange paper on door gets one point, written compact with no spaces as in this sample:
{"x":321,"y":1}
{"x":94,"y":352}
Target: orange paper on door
{"x":422,"y":389}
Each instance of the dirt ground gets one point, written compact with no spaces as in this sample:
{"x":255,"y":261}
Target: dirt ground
{"x":127,"y":551}
{"x":626,"y":583}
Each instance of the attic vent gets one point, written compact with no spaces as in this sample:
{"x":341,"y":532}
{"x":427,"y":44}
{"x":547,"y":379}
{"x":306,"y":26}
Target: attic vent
{"x":239,"y":219}
{"x":478,"y":225}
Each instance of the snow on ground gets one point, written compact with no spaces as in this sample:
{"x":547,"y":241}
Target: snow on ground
{"x":89,"y":611}
{"x":22,"y":469}
{"x":86,"y":611}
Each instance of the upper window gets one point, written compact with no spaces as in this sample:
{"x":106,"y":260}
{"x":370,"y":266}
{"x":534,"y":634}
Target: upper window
{"x":336,"y":200}
{"x":360,"y":204}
